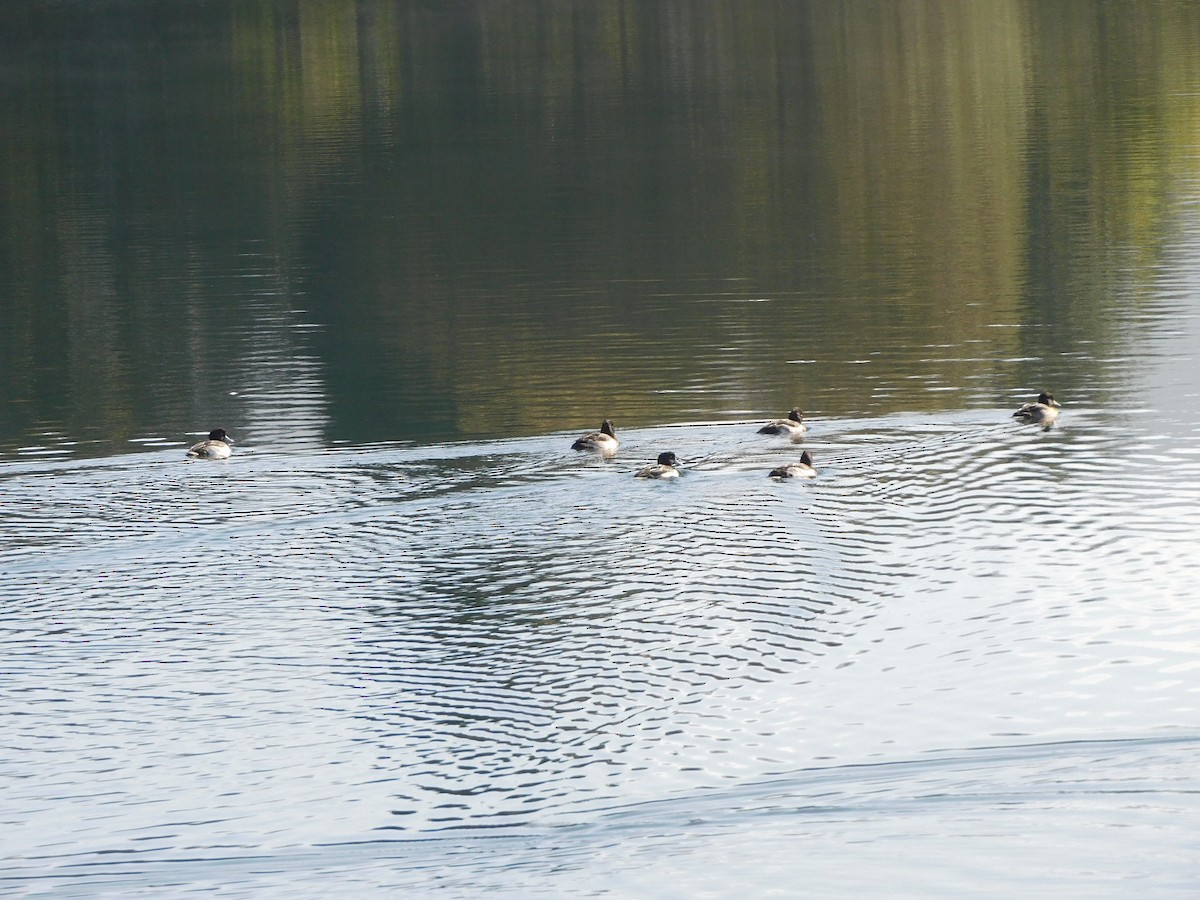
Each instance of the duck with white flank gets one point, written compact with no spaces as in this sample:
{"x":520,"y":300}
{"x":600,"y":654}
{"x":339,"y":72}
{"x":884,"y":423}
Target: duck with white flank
{"x":802,"y":469}
{"x":602,"y":441}
{"x":792,"y":425}
{"x":216,"y":447}
{"x":1042,"y":412}
{"x":664,"y":468}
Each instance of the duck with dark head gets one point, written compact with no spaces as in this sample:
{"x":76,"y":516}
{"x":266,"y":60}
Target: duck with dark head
{"x":666,"y":467}
{"x":802,"y":469}
{"x":602,"y":441}
{"x":216,"y":447}
{"x":1043,"y":411}
{"x":792,"y":425}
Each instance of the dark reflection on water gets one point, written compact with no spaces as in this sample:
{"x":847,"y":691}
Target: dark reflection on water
{"x":380,"y":221}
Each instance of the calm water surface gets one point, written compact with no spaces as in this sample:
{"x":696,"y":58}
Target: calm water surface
{"x":406,"y":642}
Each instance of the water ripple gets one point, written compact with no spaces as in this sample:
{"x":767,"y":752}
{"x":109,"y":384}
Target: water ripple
{"x":482,"y":635}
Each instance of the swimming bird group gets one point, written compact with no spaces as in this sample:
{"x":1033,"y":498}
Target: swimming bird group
{"x":1043,"y":411}
{"x":605,"y":442}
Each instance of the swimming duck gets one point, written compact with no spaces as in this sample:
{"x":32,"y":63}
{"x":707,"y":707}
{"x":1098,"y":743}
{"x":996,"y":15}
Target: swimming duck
{"x":216,"y":447}
{"x":802,"y":469}
{"x":1044,"y":411}
{"x":605,"y":440}
{"x":664,"y":468}
{"x":791,"y":425}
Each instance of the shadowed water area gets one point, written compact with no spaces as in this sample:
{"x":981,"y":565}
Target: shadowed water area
{"x":406,"y":641}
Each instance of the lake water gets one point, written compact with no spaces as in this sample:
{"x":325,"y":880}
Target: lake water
{"x":406,"y":642}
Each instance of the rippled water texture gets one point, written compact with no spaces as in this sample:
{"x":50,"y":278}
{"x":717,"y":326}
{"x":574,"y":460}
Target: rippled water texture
{"x":533,"y":662}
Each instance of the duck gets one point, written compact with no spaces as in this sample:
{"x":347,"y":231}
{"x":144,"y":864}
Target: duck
{"x":216,"y":447}
{"x":664,"y":468}
{"x":802,"y":469}
{"x":793,"y":424}
{"x":604,"y":441}
{"x":1044,"y":411}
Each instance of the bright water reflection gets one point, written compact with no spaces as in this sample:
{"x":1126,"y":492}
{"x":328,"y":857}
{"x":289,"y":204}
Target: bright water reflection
{"x":341,"y":647}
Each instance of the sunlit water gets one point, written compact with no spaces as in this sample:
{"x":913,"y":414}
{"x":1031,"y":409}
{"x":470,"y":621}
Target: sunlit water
{"x":968,"y":645}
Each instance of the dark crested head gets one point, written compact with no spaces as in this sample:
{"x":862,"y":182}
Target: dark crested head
{"x":218,"y":434}
{"x":1047,"y":399}
{"x":666,"y":459}
{"x":796,"y":414}
{"x":806,"y":458}
{"x":608,"y":428}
